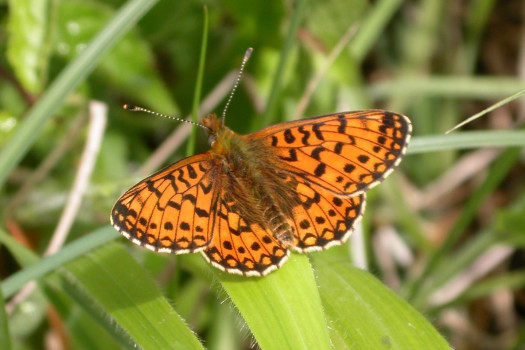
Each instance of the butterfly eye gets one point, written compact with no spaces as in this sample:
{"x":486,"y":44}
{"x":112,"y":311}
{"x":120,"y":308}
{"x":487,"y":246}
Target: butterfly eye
{"x":211,"y":140}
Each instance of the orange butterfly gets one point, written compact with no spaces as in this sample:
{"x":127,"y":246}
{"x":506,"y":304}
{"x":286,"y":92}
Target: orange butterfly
{"x":251,"y":198}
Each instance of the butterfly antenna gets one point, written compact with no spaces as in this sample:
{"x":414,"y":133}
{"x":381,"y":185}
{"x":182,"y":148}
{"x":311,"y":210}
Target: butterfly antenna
{"x":141,"y":109}
{"x":244,"y":60}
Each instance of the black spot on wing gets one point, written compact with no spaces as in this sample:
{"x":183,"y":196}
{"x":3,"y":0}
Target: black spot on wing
{"x":306,"y":135}
{"x":288,"y":136}
{"x":292,"y":156}
{"x":191,"y":172}
{"x":320,"y":169}
{"x":316,"y":128}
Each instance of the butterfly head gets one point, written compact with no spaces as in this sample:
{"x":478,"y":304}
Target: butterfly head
{"x":217,"y":131}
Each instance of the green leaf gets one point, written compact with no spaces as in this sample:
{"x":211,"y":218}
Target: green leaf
{"x":509,"y":221}
{"x":128,"y":67}
{"x":329,"y":20}
{"x":120,"y":287}
{"x":283,"y":309}
{"x":27,"y":47}
{"x":365,"y":313}
{"x":28,"y":314}
{"x":110,"y":279}
{"x":26,"y":133}
{"x":84,"y":332}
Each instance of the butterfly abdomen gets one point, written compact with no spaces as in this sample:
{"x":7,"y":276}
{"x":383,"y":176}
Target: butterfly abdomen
{"x":272,"y":204}
{"x":277,"y":223}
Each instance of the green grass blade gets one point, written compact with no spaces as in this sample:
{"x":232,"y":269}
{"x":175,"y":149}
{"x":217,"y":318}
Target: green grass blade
{"x":23,"y":256}
{"x":28,"y":130}
{"x":41,"y":267}
{"x":283,"y":310}
{"x":5,"y":341}
{"x":123,"y":289}
{"x":498,"y":172}
{"x":190,"y":149}
{"x":85,"y":330}
{"x":489,"y":109}
{"x":271,"y":105}
{"x":365,"y":313}
{"x":447,"y":86}
{"x":408,"y":223}
{"x":448,"y":268}
{"x":482,"y":289}
{"x":372,"y":27}
{"x":37,"y":269}
{"x":477,"y":17}
{"x":466,"y":140}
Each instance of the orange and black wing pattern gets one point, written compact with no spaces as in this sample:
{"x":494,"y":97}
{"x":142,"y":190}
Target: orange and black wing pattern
{"x":239,"y":246}
{"x":171,"y":210}
{"x":345,"y":153}
{"x":329,"y":162}
{"x":323,"y":219}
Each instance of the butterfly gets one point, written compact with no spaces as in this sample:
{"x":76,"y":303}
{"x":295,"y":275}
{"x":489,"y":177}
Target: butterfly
{"x":251,"y":199}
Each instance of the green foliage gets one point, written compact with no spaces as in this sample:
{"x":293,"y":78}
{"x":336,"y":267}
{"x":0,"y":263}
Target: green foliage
{"x":29,"y":44}
{"x":415,"y":58}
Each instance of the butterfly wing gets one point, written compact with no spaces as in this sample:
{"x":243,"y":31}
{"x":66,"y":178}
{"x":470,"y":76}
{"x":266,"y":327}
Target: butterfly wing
{"x":326,"y":164}
{"x":170,"y":211}
{"x":240,"y":247}
{"x":345,"y":153}
{"x":323,"y":219}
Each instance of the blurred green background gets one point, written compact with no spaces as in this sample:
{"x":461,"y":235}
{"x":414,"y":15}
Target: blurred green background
{"x":442,"y":238}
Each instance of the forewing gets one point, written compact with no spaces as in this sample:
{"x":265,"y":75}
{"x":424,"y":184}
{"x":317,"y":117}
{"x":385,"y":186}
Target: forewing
{"x":345,"y":153}
{"x":171,"y":210}
{"x":240,"y":247}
